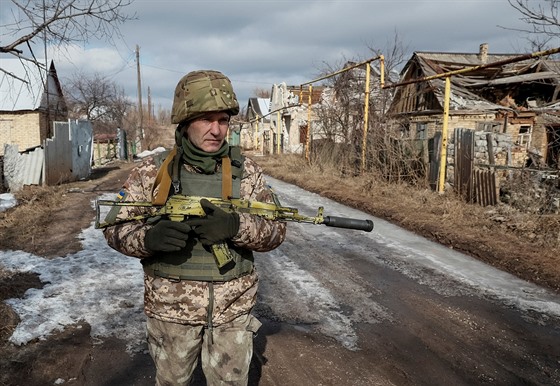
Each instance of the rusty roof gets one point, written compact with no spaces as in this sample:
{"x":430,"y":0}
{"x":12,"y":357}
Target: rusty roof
{"x":464,"y":94}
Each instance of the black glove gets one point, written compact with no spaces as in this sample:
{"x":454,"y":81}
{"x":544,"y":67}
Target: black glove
{"x":217,"y":226}
{"x":167,"y":236}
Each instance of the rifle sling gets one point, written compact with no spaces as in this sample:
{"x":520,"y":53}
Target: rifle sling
{"x":176,"y":172}
{"x":163,"y":180}
{"x":227,"y":186}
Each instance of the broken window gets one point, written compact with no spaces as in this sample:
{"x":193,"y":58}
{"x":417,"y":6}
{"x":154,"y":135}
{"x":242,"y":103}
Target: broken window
{"x":421,"y":130}
{"x":553,"y":151}
{"x":303,"y":133}
{"x":524,"y":136}
{"x":489,"y":127}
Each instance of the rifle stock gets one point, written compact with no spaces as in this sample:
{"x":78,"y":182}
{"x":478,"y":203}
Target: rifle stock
{"x":179,"y":207}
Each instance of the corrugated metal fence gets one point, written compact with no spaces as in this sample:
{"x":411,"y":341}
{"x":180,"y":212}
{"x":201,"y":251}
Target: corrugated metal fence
{"x":65,"y":157}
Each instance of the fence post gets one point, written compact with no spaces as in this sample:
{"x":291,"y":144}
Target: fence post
{"x":443,"y":160}
{"x":366,"y":117}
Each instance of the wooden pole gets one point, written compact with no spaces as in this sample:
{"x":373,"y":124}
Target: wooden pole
{"x":140,"y":113}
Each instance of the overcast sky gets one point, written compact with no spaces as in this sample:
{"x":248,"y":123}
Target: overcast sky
{"x":261,"y":42}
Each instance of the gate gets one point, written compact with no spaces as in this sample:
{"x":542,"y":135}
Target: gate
{"x":475,"y":185}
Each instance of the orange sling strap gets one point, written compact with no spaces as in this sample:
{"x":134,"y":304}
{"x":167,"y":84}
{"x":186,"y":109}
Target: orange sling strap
{"x":227,"y":184}
{"x":163,"y":180}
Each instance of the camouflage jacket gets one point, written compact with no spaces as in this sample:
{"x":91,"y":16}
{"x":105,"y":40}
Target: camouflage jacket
{"x":187,"y":301}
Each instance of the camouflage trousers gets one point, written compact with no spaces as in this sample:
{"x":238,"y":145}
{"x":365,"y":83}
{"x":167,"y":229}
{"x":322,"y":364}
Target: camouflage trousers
{"x":225,"y":351}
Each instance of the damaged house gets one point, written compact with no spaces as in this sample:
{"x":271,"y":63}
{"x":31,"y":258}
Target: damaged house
{"x":259,"y":122}
{"x":335,"y":109}
{"x":519,"y":100}
{"x":39,"y":144}
{"x":31,"y":99}
{"x":279,"y":124}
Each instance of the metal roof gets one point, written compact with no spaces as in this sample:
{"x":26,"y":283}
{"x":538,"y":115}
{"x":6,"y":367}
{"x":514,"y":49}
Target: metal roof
{"x":264,"y":105}
{"x":463,"y":95}
{"x":260,"y":106}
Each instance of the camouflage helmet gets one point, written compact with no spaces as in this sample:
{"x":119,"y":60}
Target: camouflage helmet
{"x":203,"y":91}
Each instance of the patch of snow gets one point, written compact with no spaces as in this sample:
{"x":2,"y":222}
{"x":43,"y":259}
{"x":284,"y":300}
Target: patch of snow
{"x":97,"y":285}
{"x":7,"y":200}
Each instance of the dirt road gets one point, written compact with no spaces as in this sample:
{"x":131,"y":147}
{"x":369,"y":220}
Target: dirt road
{"x":392,"y":308}
{"x":338,"y":307}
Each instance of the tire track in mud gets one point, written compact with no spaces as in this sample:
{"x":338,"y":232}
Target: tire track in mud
{"x":424,"y":314}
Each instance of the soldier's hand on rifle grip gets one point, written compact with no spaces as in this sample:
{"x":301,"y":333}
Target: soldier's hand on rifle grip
{"x":217,"y":226}
{"x":167,"y":236}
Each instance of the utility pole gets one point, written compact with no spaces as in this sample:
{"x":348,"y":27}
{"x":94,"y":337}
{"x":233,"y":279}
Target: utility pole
{"x":50,"y":130}
{"x":140,"y":114}
{"x":150,"y":115}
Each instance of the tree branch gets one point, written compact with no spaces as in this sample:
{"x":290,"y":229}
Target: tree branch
{"x":65,"y":21}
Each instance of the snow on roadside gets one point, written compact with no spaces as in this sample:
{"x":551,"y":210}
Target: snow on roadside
{"x":7,"y":200}
{"x":97,"y":285}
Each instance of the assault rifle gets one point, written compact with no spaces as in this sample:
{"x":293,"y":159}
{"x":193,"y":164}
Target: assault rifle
{"x":179,"y":207}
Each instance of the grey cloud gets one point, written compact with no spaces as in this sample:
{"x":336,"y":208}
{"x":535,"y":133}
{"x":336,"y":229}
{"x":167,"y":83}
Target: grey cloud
{"x":259,"y":42}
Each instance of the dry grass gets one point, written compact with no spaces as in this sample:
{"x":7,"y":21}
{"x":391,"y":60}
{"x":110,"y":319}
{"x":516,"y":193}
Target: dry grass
{"x":47,"y":219}
{"x":36,"y":204}
{"x":525,"y":244}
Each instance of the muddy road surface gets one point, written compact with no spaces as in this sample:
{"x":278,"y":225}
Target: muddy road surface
{"x":393,"y":308}
{"x":339,"y":307}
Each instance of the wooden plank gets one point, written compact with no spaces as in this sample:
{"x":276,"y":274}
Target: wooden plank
{"x":490,"y":146}
{"x":468,"y":156}
{"x":435,"y":160}
{"x":493,"y":189}
{"x":487,"y":195}
{"x":458,"y":161}
{"x":478,"y":187}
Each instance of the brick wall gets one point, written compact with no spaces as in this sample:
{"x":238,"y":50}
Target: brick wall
{"x":488,"y":123}
{"x":24,"y":129}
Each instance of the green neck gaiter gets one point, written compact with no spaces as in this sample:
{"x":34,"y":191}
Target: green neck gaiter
{"x":201,"y":159}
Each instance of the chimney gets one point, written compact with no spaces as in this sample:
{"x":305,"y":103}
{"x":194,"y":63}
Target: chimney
{"x":483,"y":53}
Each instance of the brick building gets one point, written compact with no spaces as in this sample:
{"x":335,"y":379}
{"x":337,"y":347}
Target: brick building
{"x":519,"y":99}
{"x":31,"y":99}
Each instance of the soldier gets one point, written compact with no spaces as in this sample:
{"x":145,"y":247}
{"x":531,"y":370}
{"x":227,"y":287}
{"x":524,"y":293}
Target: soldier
{"x":194,"y":308}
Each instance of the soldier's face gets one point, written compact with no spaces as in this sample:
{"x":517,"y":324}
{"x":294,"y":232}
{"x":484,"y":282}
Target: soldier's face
{"x":209,"y":131}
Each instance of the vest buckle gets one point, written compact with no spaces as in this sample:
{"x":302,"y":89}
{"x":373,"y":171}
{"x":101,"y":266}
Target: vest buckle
{"x":176,"y":186}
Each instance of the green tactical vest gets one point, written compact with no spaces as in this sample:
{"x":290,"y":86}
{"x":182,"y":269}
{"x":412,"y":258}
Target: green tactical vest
{"x":195,"y":262}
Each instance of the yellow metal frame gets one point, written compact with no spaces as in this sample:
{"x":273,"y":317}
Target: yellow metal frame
{"x":447,"y":95}
{"x":366,"y":102}
{"x":446,"y":75}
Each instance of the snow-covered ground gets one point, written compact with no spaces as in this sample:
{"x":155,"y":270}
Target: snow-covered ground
{"x":7,"y":200}
{"x":97,"y":285}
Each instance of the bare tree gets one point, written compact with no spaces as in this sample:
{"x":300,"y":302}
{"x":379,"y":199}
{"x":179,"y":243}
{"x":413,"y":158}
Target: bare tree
{"x":395,"y":53}
{"x":99,"y":100}
{"x":339,"y":126}
{"x":542,"y":19}
{"x":339,"y":112}
{"x":59,"y":22}
{"x":261,"y":92}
